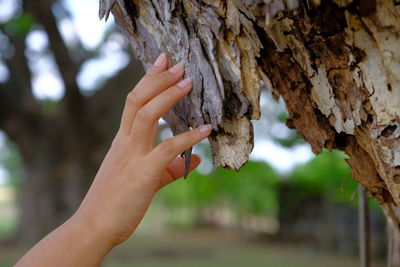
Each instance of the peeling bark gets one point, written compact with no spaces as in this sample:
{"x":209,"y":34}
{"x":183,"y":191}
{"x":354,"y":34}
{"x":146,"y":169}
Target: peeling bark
{"x":336,"y":63}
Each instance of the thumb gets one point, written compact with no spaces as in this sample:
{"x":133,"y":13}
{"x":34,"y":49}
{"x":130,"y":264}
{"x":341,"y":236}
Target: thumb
{"x":176,"y":169}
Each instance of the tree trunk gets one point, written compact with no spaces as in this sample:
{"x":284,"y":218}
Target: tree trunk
{"x":54,"y":179}
{"x":61,"y":149}
{"x":36,"y":201}
{"x":60,"y":160}
{"x":335,"y":63}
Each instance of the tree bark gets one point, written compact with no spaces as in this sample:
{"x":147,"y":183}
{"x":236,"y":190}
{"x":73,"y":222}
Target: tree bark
{"x":336,"y":64}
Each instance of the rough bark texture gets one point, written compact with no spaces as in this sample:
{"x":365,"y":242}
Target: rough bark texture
{"x":336,"y":63}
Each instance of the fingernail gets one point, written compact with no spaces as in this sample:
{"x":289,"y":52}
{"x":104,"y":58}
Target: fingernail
{"x":160,"y":60}
{"x":184,"y":83}
{"x":176,"y":69}
{"x":205,"y":128}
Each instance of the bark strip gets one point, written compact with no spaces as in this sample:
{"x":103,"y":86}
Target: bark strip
{"x":335,"y":63}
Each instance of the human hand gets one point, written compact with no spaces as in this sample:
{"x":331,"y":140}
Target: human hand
{"x":134,"y":169}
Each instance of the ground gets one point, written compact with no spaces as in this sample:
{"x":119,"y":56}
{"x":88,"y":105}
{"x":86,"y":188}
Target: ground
{"x":219,"y":248}
{"x":153,"y":245}
{"x":209,"y":248}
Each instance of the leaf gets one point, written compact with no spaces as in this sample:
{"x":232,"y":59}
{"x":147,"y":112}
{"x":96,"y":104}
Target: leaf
{"x":282,"y":117}
{"x":19,"y":27}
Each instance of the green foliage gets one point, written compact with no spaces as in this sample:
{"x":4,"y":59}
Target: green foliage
{"x":289,"y":142}
{"x":11,"y":160}
{"x":282,"y":117}
{"x":252,"y":190}
{"x":326,"y":174}
{"x":49,"y":107}
{"x":255,"y":189}
{"x":19,"y":27}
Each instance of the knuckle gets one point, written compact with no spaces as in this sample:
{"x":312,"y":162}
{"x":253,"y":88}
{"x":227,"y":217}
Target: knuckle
{"x":168,"y":146}
{"x":148,"y":77}
{"x":144,"y":115}
{"x":174,"y":92}
{"x":149,"y":73}
{"x":167,"y":76}
{"x":132,"y":98}
{"x":192,"y":137}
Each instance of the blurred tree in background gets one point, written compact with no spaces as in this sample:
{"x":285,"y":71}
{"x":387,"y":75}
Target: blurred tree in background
{"x":61,"y":142}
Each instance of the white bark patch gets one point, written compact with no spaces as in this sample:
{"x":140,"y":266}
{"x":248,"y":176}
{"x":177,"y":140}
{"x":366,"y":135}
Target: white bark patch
{"x":396,"y":156}
{"x":323,"y":95}
{"x":232,"y":149}
{"x":384,"y":100}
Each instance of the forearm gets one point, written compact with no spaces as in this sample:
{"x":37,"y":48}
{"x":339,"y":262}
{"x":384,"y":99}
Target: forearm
{"x":133,"y":170}
{"x":75,"y":243}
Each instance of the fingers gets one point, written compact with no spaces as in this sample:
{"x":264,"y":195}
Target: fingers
{"x":156,"y":80}
{"x":176,"y":169}
{"x":149,"y":114}
{"x":133,"y":98}
{"x":161,"y":63}
{"x":168,"y":150}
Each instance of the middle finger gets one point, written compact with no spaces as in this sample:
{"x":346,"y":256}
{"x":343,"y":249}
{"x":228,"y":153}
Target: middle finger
{"x":150,"y":113}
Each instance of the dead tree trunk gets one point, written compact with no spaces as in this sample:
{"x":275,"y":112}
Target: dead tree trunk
{"x":336,"y":63}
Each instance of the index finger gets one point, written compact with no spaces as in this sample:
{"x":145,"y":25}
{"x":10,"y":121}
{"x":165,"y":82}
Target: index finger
{"x":168,"y":150}
{"x":149,"y":86}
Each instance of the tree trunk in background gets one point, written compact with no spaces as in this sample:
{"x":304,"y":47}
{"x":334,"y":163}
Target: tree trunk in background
{"x":57,"y":170}
{"x":58,"y":164}
{"x":55,"y":177}
{"x":336,"y":64}
{"x":54,"y":181}
{"x":61,"y":147}
{"x":59,"y":160}
{"x":39,"y":195}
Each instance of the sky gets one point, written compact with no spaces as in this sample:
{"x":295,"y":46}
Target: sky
{"x":86,"y":27}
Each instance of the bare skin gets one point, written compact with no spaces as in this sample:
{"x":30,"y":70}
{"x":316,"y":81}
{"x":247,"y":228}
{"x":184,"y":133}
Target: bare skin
{"x":130,"y":175}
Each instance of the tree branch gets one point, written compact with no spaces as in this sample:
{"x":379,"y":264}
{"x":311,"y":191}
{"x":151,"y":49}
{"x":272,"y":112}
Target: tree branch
{"x":17,"y":117}
{"x":107,"y":103}
{"x":68,"y":68}
{"x":16,"y":98}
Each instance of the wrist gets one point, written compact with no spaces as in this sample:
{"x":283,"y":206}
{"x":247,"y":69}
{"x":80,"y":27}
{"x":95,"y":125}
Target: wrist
{"x":91,"y":232}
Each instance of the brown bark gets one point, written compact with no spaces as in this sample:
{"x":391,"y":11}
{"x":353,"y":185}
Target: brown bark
{"x":335,"y":63}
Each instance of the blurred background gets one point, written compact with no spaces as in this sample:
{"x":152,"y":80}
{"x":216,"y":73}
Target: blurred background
{"x":64,"y":76}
